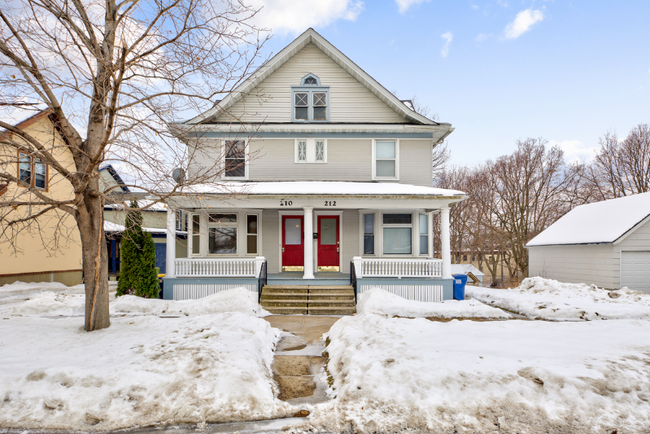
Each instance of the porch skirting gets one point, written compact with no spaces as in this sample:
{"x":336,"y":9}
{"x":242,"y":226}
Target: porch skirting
{"x":411,"y":289}
{"x":192,"y":289}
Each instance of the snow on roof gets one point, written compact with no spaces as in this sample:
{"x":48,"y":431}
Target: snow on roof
{"x":596,"y":223}
{"x":159,"y":206}
{"x":115,"y":227}
{"x":466,"y":268}
{"x":318,"y":188}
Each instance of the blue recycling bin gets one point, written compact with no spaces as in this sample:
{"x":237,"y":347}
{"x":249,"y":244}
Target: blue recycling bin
{"x":459,"y":286}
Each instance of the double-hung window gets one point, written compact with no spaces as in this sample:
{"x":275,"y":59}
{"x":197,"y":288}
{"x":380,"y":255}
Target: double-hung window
{"x":222,"y":234}
{"x":397,"y":234}
{"x":252,"y":232}
{"x":385,"y":159}
{"x":32,"y":171}
{"x":311,"y":151}
{"x":424,"y":234}
{"x":310,"y":100}
{"x":196,"y":234}
{"x":368,"y":234}
{"x":235,"y":159}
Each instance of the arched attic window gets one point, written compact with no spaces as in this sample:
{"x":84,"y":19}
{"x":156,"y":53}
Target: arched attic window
{"x":310,"y":100}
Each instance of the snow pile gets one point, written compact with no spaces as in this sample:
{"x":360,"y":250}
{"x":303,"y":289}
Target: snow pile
{"x":395,"y":374}
{"x":377,"y":300}
{"x":539,"y":298}
{"x":142,"y":370}
{"x":232,"y":300}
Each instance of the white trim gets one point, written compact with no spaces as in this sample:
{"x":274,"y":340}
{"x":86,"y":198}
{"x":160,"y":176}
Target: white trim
{"x":223,"y":160}
{"x":629,"y":231}
{"x":374,"y":160}
{"x":311,"y":36}
{"x":310,"y":151}
{"x":280,"y":228}
{"x":316,"y":230}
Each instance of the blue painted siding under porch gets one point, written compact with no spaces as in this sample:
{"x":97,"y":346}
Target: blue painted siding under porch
{"x":409,"y":288}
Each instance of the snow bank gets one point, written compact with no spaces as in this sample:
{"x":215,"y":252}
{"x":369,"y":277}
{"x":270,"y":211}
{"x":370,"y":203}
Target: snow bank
{"x":394,"y":374}
{"x":539,"y":298}
{"x":142,"y":370}
{"x":232,"y":300}
{"x":377,"y":300}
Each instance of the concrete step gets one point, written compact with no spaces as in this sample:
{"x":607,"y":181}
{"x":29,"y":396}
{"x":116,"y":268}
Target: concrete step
{"x":324,"y":310}
{"x":309,"y":302}
{"x":308,"y":296}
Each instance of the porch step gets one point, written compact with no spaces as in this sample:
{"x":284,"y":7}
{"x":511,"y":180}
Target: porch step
{"x":308,"y":299}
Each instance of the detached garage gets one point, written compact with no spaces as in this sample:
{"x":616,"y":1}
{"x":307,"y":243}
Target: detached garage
{"x":605,"y":243}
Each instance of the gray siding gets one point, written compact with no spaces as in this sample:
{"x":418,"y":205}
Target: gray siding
{"x":591,"y":264}
{"x":347,"y":160}
{"x":415,"y":162}
{"x":350,"y":237}
{"x":271,"y":239}
{"x":350,"y":101}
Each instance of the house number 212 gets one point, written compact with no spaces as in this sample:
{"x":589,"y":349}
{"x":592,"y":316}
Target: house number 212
{"x":330,"y":203}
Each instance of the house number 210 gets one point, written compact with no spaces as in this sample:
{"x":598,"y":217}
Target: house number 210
{"x":286,"y":203}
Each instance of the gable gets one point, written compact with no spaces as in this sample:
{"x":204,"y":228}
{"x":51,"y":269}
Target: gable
{"x":270,"y":101}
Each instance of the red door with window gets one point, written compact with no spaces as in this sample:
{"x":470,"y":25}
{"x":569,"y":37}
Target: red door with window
{"x":328,"y":243}
{"x":293,"y":243}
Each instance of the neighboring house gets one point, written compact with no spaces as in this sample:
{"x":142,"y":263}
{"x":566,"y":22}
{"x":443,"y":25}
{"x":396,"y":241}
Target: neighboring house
{"x":154,"y":220}
{"x":49,"y":250}
{"x":605,"y":243}
{"x":474,"y":275}
{"x":339,"y":189}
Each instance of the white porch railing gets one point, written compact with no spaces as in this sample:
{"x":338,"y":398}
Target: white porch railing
{"x":397,"y":267}
{"x":219,"y":267}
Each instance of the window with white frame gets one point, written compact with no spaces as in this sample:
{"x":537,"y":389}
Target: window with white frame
{"x":222,"y":234}
{"x":311,"y":151}
{"x":385,"y":159}
{"x":235,"y":159}
{"x":368,"y":234}
{"x":397,"y":234}
{"x":181,"y":220}
{"x":424,"y":234}
{"x":196,"y":234}
{"x":310,"y":100}
{"x":252,"y":232}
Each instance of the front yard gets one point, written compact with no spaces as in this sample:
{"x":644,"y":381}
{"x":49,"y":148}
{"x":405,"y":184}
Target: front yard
{"x":391,"y":369}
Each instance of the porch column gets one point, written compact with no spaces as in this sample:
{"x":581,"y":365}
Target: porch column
{"x":308,"y":243}
{"x":430,"y":232}
{"x":445,"y":242}
{"x":171,"y":242}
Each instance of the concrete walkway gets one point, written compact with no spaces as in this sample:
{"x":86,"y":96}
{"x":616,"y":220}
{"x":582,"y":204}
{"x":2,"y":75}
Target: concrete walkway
{"x":298,"y":361}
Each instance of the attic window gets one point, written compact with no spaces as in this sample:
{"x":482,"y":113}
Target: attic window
{"x":310,"y":100}
{"x":310,"y":80}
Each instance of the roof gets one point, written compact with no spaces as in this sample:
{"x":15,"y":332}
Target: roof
{"x":605,"y":222}
{"x":319,"y":188}
{"x":311,"y":36}
{"x":116,"y":176}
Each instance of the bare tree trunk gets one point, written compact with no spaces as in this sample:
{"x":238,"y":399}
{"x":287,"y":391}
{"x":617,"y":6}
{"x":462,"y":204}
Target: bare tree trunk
{"x":90,"y":220}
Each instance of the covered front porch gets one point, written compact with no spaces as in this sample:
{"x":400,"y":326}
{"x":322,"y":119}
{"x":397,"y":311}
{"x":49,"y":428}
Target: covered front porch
{"x":311,"y":233}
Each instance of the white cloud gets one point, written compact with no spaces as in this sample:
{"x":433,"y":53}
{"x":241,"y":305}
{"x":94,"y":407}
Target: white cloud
{"x":522,"y":23}
{"x":575,"y":151}
{"x":482,"y":37}
{"x":290,"y":16}
{"x":502,"y":3}
{"x":404,"y":5}
{"x":448,"y":36}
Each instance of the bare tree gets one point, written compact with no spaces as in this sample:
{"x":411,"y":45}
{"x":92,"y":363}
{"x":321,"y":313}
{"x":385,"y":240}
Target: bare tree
{"x":530,"y":195}
{"x":113,"y":75}
{"x":621,"y":168}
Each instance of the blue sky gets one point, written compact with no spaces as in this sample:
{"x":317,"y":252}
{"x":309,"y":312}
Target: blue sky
{"x":498,"y":70}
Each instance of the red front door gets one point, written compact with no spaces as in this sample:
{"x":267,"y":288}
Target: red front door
{"x":293,"y":245}
{"x":328,"y":243}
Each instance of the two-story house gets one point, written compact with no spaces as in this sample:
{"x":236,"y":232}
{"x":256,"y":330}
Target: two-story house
{"x":46,"y":248}
{"x":326,"y":177}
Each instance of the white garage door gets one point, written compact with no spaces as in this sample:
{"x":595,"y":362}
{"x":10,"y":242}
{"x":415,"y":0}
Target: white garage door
{"x":635,"y":270}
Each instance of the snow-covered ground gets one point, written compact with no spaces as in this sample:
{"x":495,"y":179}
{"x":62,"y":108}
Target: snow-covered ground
{"x":539,"y":298}
{"x":378,"y":301}
{"x":395,"y":374}
{"x":142,"y":370}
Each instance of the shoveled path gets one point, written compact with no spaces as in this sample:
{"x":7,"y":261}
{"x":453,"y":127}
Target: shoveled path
{"x":298,"y":360}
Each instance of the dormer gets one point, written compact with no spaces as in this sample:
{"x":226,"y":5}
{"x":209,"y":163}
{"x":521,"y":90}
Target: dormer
{"x":310,"y":100}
